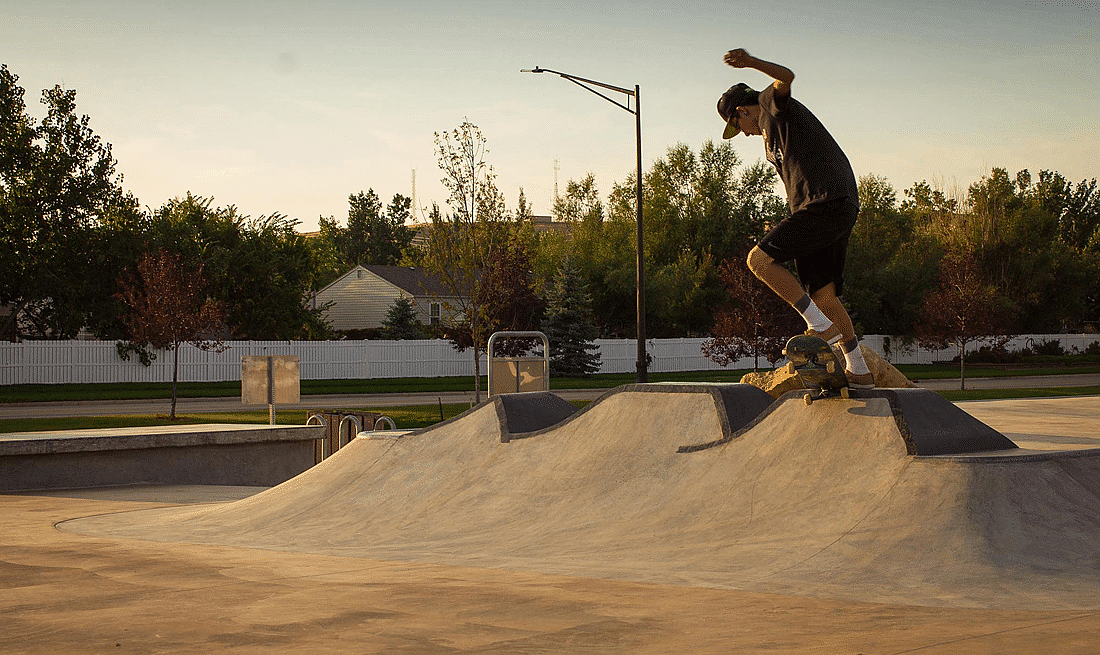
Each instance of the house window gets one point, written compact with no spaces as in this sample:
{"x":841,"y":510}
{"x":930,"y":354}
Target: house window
{"x":435,"y":313}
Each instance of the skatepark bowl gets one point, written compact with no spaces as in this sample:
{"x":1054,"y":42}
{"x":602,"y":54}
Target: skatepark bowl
{"x":893,"y":496}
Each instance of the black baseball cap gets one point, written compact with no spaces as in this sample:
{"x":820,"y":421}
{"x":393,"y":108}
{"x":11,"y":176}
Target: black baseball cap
{"x":738,"y":95}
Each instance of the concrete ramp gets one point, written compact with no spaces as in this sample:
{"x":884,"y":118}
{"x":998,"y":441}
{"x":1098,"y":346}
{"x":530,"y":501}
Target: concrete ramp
{"x":821,"y":500}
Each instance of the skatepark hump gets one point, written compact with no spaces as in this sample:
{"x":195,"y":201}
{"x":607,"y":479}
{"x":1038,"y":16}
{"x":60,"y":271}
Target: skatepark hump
{"x":893,"y":496}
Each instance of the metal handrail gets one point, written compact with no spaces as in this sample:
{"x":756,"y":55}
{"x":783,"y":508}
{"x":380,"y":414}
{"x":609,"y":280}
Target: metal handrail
{"x":340,"y":443}
{"x":324,"y":439}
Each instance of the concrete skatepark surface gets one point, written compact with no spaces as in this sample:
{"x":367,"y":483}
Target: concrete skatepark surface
{"x":95,"y":590}
{"x":823,"y":501}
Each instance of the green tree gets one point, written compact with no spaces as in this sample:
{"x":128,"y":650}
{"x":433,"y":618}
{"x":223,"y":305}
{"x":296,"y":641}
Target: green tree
{"x":57,"y":184}
{"x":1076,"y":209}
{"x":1022,"y":251}
{"x":700,"y":210}
{"x":1079,"y":215}
{"x":682,"y":296}
{"x":268,"y":280}
{"x":261,"y":269}
{"x":706,"y":202}
{"x":604,"y":253}
{"x":401,"y":321}
{"x":581,"y":201}
{"x":328,"y":260}
{"x":890,"y":266}
{"x":523,"y":210}
{"x":364,"y":217}
{"x":115,"y":247}
{"x":459,"y":249}
{"x":374,"y":236}
{"x":570,"y":325}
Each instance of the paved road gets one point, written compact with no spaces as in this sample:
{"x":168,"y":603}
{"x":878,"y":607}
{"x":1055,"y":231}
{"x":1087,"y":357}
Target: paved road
{"x":233,"y":404}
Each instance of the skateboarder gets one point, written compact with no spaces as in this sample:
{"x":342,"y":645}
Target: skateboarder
{"x":823,"y":198}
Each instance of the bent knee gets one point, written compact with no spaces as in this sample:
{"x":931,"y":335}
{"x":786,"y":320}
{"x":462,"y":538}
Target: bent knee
{"x":758,"y":261}
{"x":825,"y":295}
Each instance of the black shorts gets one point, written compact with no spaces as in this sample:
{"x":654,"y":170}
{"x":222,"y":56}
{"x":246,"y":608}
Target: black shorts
{"x":816,"y":238}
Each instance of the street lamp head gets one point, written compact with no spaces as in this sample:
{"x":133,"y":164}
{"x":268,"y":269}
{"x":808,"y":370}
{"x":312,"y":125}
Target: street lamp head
{"x":536,"y":69}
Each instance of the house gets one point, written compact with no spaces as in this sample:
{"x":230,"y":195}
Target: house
{"x":361,"y":297}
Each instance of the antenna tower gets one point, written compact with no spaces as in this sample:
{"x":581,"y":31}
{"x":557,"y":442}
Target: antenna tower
{"x":556,"y":167}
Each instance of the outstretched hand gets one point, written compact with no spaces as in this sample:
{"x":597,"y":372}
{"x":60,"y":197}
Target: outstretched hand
{"x":738,"y":58}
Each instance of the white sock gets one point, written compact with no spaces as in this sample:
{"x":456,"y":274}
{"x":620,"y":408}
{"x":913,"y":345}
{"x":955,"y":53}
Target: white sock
{"x":853,"y":358}
{"x":815,"y":319}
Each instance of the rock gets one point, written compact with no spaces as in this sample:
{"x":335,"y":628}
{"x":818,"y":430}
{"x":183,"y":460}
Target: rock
{"x":779,"y":381}
{"x":776,"y":383}
{"x":886,"y":375}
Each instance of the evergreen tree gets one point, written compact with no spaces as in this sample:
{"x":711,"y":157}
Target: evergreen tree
{"x":401,"y":322}
{"x":570,"y":325}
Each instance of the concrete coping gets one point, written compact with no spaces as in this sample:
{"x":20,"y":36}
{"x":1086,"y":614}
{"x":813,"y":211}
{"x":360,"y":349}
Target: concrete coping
{"x":383,"y":434}
{"x":159,"y":436}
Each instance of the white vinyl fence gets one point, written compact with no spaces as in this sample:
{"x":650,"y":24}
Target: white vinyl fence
{"x":60,"y":362}
{"x":896,"y":351}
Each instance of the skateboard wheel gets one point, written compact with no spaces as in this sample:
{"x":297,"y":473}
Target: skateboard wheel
{"x":790,"y":368}
{"x":831,"y":367}
{"x":844,"y":393}
{"x":808,"y":398}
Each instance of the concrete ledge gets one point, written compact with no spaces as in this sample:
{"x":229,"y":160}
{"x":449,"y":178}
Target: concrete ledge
{"x":929,"y":424}
{"x":233,"y":455}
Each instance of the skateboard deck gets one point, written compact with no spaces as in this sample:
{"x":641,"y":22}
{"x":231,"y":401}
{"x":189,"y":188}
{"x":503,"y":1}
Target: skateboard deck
{"x":816,"y":366}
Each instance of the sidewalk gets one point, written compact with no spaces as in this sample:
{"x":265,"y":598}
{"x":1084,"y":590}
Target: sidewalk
{"x":1017,"y":382}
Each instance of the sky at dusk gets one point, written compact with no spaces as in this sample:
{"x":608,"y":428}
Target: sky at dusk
{"x":291,"y":107}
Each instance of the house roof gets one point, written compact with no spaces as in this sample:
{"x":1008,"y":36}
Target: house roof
{"x":411,"y":280}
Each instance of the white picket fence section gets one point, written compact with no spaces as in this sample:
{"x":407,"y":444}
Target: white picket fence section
{"x":61,"y":362}
{"x":896,"y":351}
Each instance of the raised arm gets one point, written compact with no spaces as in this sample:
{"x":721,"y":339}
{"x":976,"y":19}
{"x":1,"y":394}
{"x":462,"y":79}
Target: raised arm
{"x":782,"y":75}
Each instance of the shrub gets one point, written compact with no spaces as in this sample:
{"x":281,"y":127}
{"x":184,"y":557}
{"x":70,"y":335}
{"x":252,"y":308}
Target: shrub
{"x":1051,"y":347}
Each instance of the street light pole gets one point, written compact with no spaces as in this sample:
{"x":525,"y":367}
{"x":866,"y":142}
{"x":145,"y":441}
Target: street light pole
{"x":643,"y":361}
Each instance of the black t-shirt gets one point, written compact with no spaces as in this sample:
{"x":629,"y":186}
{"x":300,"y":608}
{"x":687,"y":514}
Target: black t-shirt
{"x":812,"y":166}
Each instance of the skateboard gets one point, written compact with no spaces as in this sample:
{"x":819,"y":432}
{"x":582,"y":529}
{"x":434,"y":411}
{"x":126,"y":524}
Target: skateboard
{"x":816,"y":366}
